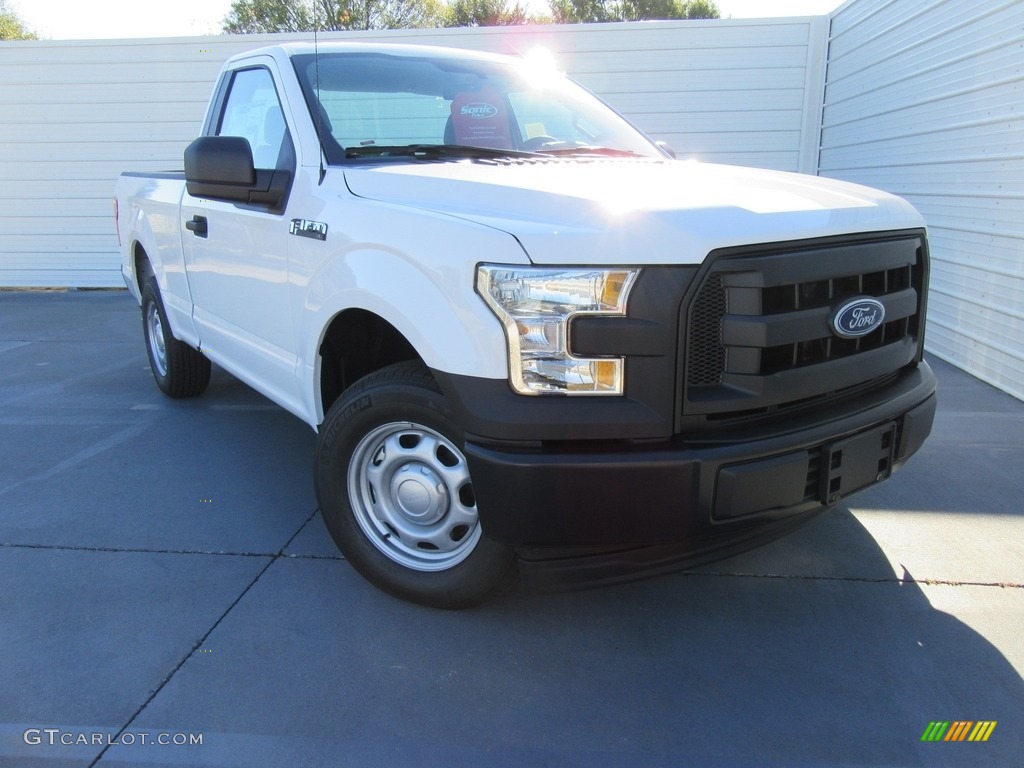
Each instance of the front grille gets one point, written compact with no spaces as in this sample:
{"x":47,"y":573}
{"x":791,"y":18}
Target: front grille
{"x":758,"y":335}
{"x":818,"y":294}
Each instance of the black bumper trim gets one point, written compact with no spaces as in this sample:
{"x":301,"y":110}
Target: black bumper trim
{"x":621,"y":496}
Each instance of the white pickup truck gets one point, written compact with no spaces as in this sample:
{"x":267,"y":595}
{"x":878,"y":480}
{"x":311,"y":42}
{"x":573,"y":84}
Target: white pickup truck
{"x":530,"y":340}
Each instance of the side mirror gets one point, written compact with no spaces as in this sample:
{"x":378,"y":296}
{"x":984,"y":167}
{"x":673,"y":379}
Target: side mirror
{"x":219,"y":166}
{"x":222,"y":168}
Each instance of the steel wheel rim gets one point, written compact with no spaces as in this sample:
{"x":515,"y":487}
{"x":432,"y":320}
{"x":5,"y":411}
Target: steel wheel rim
{"x":155,"y":333}
{"x":411,"y":495}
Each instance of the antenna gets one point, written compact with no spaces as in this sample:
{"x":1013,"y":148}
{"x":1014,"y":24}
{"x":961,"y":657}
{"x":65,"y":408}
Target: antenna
{"x":318,"y":119}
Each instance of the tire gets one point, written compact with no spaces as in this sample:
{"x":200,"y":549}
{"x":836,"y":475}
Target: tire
{"x":180,"y":371}
{"x":395,"y":493}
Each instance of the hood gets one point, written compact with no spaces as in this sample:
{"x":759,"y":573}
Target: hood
{"x":613,"y":211}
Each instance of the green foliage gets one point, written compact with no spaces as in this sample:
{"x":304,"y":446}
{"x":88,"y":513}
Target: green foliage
{"x":580,"y":11}
{"x":259,"y":16}
{"x":484,"y":13}
{"x":591,"y":11}
{"x":701,"y":9}
{"x":252,"y":17}
{"x":12,"y":27}
{"x":380,"y":14}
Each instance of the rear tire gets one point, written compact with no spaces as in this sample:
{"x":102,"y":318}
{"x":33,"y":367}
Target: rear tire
{"x":180,"y":371}
{"x":395,"y":493}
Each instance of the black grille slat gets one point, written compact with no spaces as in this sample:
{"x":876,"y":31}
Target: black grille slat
{"x":762,"y":321}
{"x":802,"y":337}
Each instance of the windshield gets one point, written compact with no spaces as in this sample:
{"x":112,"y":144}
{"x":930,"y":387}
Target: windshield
{"x":377,"y":105}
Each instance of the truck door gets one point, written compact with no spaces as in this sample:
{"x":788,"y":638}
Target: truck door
{"x":236,"y":254}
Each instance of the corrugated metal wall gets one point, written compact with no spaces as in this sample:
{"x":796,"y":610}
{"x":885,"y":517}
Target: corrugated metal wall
{"x":924,"y":98}
{"x":73,"y":115}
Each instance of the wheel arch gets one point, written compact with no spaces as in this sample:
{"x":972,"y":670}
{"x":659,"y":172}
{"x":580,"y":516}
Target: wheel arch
{"x":356,"y":343}
{"x":142,"y":265}
{"x":411,"y":309}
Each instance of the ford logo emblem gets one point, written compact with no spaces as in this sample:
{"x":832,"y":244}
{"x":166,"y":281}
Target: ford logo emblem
{"x":858,"y":317}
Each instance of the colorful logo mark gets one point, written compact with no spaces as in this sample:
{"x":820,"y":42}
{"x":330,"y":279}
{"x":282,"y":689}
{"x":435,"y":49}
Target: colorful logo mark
{"x":959,"y":730}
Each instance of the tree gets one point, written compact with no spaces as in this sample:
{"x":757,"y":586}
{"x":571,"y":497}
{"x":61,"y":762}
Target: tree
{"x":253,"y":17}
{"x":11,"y":25}
{"x":382,"y":14}
{"x":590,"y":11}
{"x":700,"y":9}
{"x":484,"y":13}
{"x":259,"y":16}
{"x":580,"y":11}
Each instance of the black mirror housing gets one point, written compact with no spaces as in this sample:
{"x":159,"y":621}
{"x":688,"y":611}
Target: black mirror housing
{"x":222,"y":168}
{"x":219,"y":166}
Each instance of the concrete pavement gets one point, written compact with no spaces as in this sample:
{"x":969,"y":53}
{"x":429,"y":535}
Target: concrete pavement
{"x":165,"y":576}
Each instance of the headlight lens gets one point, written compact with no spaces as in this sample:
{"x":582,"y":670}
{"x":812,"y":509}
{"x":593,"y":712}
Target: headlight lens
{"x":535,"y":306}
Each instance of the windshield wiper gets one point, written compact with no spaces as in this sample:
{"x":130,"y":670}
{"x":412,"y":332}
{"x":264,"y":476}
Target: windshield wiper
{"x":588,"y":150}
{"x":434,"y":152}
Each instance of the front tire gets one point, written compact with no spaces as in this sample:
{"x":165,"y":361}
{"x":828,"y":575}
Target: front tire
{"x":180,"y":371}
{"x":396,"y":494}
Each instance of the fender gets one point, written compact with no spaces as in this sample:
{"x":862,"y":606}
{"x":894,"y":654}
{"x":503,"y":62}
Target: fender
{"x":455,"y":337}
{"x":158,"y":240}
{"x":420,"y":281}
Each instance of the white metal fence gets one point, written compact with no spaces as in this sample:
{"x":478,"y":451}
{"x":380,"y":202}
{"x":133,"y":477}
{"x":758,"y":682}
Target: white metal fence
{"x":925,"y":99}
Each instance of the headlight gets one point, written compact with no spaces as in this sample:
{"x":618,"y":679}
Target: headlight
{"x":536,"y":305}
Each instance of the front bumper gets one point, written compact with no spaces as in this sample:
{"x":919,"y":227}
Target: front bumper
{"x":611,"y":509}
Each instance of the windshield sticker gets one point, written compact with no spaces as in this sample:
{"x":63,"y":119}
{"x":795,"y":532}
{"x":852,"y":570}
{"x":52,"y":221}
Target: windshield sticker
{"x":479,"y":120}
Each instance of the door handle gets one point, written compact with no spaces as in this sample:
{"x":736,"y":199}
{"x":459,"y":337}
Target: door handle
{"x":197,"y":225}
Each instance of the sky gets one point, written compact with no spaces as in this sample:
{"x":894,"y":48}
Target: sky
{"x":99,"y":19}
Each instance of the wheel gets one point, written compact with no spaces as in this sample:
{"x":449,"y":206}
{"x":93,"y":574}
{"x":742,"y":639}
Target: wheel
{"x":396,"y":495}
{"x":179,"y":370}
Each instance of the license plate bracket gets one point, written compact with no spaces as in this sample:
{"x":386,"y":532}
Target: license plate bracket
{"x":857,"y":462}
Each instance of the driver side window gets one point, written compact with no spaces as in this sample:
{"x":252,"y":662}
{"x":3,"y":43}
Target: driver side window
{"x":252,"y":110}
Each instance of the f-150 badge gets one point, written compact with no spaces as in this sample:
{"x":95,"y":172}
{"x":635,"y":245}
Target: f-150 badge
{"x":306,"y":228}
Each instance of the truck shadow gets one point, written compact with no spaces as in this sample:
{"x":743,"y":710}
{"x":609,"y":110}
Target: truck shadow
{"x":810,"y":651}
